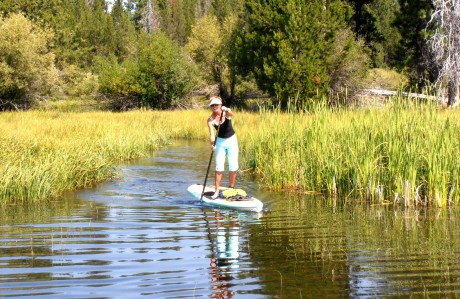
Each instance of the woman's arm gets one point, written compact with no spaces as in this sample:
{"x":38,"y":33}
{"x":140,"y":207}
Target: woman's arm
{"x":212,"y":137}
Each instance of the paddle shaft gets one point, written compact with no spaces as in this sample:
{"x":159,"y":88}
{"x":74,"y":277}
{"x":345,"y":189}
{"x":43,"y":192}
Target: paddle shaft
{"x":210,"y":158}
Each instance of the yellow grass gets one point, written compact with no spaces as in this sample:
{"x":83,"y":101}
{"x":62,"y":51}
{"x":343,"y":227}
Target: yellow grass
{"x":44,"y":153}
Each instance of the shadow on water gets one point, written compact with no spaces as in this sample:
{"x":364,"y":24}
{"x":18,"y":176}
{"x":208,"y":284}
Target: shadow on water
{"x":144,"y":235}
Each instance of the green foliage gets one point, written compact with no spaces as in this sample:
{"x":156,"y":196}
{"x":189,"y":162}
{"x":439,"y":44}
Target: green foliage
{"x":119,"y":81}
{"x":125,"y":33}
{"x":176,"y":17}
{"x":83,"y":32}
{"x":225,"y":8}
{"x":383,"y":38}
{"x":347,"y":64}
{"x":27,"y":68}
{"x":77,"y":83}
{"x":165,"y":75}
{"x":157,"y":77}
{"x":292,"y":49}
{"x":412,"y":53}
{"x":35,"y":10}
{"x":211,"y":47}
{"x":204,"y":47}
{"x":373,"y":20}
{"x":286,"y":45}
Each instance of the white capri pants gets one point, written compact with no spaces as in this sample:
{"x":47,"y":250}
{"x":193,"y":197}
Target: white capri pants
{"x":227,"y":147}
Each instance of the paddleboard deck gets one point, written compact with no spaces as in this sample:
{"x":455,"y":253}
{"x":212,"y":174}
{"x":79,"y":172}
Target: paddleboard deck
{"x":246,"y":204}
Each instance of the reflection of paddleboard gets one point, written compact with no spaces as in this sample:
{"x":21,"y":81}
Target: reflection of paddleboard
{"x":246,"y":204}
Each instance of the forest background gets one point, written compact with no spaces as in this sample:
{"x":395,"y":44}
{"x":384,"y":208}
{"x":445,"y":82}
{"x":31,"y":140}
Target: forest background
{"x":164,"y":54}
{"x":301,"y":56}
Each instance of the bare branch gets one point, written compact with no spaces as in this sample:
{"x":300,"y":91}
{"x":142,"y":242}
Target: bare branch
{"x":150,"y":21}
{"x":445,"y":42}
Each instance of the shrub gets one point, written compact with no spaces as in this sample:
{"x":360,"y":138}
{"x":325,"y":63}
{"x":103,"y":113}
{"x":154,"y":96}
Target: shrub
{"x":347,"y":64}
{"x":164,"y":74}
{"x":27,"y":68}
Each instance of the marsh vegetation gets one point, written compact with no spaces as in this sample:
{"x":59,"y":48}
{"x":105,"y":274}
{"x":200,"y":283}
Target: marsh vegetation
{"x":395,"y":154}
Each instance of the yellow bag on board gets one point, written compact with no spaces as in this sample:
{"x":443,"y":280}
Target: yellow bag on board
{"x":233,"y":192}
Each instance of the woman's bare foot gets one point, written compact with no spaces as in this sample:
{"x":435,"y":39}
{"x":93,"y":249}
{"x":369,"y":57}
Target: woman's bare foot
{"x":216,"y":195}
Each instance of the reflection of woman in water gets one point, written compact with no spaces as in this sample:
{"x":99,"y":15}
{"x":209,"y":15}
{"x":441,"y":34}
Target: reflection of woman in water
{"x":224,"y":258}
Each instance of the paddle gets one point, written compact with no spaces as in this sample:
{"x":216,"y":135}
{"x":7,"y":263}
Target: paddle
{"x":210,"y":158}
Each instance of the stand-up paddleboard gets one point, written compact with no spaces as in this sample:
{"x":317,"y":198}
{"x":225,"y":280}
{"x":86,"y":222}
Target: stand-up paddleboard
{"x":248,"y":203}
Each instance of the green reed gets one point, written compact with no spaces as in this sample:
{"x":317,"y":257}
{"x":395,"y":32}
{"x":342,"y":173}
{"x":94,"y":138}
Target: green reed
{"x":398,"y":153}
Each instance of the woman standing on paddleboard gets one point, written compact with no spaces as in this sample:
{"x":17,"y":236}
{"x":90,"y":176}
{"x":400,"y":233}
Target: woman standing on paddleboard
{"x":226,"y":144}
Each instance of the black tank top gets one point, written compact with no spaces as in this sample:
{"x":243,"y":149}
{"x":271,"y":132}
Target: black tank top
{"x":226,"y":129}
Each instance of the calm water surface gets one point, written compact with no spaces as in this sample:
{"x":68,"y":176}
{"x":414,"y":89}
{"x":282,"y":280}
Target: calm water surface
{"x":142,"y":235}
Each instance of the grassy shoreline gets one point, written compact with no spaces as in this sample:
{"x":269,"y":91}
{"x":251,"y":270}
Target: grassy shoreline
{"x":382,"y":155}
{"x":43,"y":154}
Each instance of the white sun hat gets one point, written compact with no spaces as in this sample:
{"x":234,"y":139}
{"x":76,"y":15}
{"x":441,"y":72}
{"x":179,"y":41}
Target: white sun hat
{"x":215,"y":101}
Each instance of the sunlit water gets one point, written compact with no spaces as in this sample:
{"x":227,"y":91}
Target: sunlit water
{"x":142,"y":235}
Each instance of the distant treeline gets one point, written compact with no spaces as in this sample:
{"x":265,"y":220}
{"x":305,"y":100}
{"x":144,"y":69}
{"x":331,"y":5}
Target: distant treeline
{"x":155,"y":53}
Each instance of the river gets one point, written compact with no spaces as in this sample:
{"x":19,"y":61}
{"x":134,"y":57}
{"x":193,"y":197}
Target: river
{"x":142,"y":235}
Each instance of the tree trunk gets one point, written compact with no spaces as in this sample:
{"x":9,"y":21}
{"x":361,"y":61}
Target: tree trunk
{"x":232,"y":90}
{"x":150,"y":21}
{"x":452,"y":92}
{"x":224,"y":94}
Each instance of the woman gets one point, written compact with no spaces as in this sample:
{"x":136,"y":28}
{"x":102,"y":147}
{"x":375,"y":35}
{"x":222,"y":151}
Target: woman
{"x":226,"y":144}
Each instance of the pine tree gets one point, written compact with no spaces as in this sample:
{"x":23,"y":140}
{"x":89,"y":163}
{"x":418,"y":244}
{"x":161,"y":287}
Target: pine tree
{"x":412,"y":51}
{"x":285,"y":45}
{"x":72,"y":46}
{"x":224,"y":8}
{"x":373,"y":20}
{"x":35,"y":10}
{"x":125,"y":34}
{"x":179,"y":17}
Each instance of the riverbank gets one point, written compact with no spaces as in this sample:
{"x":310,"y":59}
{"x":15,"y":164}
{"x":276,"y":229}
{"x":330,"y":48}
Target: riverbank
{"x":387,"y":155}
{"x":43,"y":154}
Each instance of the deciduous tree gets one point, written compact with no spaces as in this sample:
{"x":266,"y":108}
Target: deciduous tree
{"x":27,"y":68}
{"x":210,"y":46}
{"x":164,"y":75}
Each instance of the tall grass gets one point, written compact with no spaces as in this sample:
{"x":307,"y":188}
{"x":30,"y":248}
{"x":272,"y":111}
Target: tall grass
{"x":44,"y":153}
{"x":393,"y":154}
{"x":396,"y":153}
